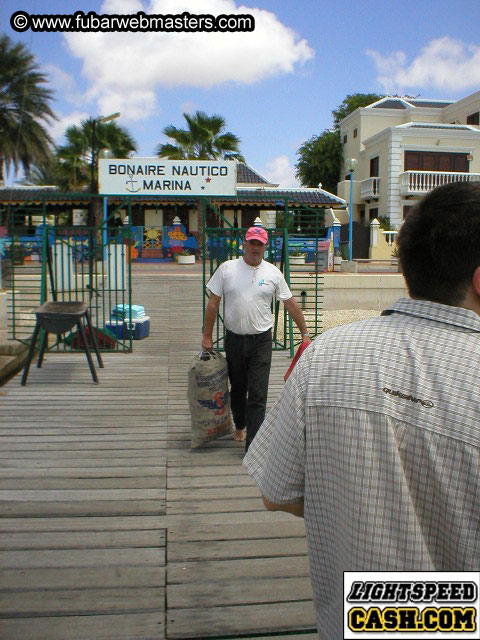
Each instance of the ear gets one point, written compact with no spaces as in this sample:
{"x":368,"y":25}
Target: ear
{"x":476,"y":281}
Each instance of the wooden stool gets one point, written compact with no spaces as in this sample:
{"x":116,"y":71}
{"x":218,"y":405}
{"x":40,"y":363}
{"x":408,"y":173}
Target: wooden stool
{"x":58,"y":318}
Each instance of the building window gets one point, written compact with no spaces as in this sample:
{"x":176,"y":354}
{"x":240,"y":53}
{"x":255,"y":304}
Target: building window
{"x":248,"y":216}
{"x":373,"y":213}
{"x":474,"y":118}
{"x":212,"y":219}
{"x":430,"y":161}
{"x":345,"y":139}
{"x":355,"y":133}
{"x":374,"y":167}
{"x":169,"y":213}
{"x":406,"y":210}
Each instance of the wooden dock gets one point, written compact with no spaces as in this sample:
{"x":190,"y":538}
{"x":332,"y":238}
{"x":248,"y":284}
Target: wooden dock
{"x":111,"y":528}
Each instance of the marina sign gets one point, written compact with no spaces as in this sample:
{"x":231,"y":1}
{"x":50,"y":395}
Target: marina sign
{"x":155,"y":176}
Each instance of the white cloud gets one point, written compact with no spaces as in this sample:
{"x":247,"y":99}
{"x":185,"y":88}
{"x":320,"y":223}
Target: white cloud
{"x":133,"y":106}
{"x":65,"y":83}
{"x":126,"y":68}
{"x":281,"y":172}
{"x":57,"y":129}
{"x":122,"y":6}
{"x":444,"y":63}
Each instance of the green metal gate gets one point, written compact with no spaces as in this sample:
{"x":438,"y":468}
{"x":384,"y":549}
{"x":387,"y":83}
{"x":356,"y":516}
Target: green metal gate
{"x":301,"y":225}
{"x":306,"y":236}
{"x":68,"y":263}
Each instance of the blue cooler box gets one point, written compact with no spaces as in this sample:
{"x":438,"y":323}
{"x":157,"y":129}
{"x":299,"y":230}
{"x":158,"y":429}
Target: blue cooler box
{"x":140,"y":328}
{"x":116,"y":326}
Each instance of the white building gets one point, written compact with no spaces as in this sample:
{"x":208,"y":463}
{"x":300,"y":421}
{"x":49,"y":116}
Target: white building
{"x":405,"y":147}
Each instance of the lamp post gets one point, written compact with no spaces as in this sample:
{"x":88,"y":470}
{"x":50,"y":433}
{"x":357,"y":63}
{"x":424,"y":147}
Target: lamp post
{"x":350,"y":165}
{"x":93,"y":185}
{"x":105,"y":153}
{"x":91,"y":211}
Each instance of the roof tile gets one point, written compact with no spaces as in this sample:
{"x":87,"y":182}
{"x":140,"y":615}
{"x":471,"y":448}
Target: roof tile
{"x":247,"y":175}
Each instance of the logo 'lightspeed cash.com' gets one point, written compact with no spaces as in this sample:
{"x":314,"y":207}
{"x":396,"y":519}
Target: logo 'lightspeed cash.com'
{"x":446,"y":608}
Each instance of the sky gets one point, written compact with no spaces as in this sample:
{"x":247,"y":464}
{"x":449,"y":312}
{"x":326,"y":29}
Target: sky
{"x":275,"y":86}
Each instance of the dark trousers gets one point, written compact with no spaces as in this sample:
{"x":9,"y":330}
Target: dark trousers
{"x":249,"y":358}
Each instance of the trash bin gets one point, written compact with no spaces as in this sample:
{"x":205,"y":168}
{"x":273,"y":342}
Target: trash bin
{"x":344,"y":250}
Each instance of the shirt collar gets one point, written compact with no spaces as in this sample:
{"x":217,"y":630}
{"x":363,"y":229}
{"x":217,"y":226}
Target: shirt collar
{"x":457,"y":316}
{"x":249,"y":266}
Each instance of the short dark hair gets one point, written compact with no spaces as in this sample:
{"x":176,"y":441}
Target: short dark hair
{"x":439,"y":243}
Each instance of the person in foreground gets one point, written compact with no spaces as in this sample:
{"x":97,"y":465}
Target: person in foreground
{"x":248,"y":285}
{"x":375,"y":438}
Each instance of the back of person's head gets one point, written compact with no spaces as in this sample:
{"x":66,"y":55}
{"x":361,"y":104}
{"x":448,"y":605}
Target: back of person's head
{"x":439,"y":243}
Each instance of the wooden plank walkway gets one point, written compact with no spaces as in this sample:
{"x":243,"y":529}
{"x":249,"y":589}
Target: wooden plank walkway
{"x":110,"y":527}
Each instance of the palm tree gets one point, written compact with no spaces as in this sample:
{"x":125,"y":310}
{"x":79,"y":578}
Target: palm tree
{"x":76,"y":155}
{"x":24,"y":109}
{"x":204,"y":139}
{"x":48,"y":173}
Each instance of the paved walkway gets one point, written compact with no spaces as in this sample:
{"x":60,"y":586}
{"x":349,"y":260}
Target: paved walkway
{"x":110,"y":527}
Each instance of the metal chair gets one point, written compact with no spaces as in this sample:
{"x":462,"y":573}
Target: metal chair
{"x":58,"y":318}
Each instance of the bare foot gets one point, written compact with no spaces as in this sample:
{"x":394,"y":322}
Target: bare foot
{"x":240,"y":435}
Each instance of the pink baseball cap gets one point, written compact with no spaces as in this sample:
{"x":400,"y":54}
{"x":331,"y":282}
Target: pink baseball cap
{"x":257,"y":233}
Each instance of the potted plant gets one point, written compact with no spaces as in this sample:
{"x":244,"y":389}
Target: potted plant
{"x":297,"y":256}
{"x":185,"y":257}
{"x":17,"y":252}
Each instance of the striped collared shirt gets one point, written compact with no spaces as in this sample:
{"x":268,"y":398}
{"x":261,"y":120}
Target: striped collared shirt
{"x":378,"y":429}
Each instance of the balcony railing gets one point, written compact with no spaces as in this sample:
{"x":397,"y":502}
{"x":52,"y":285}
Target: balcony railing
{"x":370,"y":188}
{"x":390,"y":237}
{"x":419,"y":182}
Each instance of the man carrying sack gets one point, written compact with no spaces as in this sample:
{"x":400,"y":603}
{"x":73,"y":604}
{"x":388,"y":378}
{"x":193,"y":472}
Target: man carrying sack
{"x":248,"y":285}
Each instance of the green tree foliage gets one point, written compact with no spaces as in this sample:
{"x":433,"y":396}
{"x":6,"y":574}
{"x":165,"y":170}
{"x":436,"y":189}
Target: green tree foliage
{"x":24,"y":109}
{"x":280,"y":220}
{"x":352,"y":102}
{"x":49,"y":173}
{"x":321,"y":157}
{"x":204,"y":139}
{"x":75,"y":156}
{"x":320,"y":161}
{"x":385,"y":224}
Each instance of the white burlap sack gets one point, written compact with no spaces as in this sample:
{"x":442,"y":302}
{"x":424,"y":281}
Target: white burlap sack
{"x":209,"y":398}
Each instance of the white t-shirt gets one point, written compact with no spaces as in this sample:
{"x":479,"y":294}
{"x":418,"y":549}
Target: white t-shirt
{"x":248,"y":293}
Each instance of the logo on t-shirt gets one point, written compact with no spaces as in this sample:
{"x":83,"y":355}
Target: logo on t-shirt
{"x":428,"y":404}
{"x":262,"y":281}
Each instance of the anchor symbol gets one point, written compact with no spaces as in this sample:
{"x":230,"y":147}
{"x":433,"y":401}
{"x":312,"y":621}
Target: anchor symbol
{"x":132,"y":182}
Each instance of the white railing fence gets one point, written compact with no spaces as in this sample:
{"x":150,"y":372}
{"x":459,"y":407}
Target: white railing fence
{"x":370,"y":188}
{"x":412,"y":182}
{"x":390,"y":237}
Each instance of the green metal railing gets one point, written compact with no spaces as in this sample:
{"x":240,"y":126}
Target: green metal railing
{"x":307,"y":280}
{"x":92,"y":263}
{"x":68,"y":263}
{"x":226,"y":244}
{"x":306,"y":228}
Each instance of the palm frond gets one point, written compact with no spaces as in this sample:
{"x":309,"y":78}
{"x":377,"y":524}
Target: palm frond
{"x":24,"y":108}
{"x":203,"y":140}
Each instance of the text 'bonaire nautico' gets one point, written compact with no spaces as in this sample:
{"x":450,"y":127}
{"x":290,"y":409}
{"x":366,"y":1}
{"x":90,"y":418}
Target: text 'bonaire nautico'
{"x":150,"y":176}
